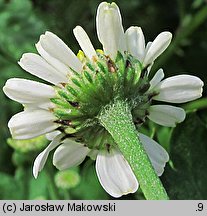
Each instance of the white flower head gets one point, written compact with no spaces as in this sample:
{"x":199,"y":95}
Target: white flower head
{"x":67,"y":109}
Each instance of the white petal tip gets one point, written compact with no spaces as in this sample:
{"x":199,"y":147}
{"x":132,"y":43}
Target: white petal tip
{"x":5,"y":88}
{"x":35,"y":175}
{"x":37,"y":45}
{"x":201,"y":85}
{"x":48,"y":33}
{"x":130,"y":191}
{"x":179,"y":89}
{"x":115,"y":174}
{"x":103,"y":4}
{"x":35,"y":169}
{"x":84,"y":42}
{"x":157,"y":47}
{"x":42,"y":37}
{"x":24,"y":58}
{"x":167,"y":34}
{"x":77,"y":28}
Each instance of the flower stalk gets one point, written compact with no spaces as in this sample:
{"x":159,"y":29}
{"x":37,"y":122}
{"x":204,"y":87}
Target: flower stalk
{"x":117,"y":120}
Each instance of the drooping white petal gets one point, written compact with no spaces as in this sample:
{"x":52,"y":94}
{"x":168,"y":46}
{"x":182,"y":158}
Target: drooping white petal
{"x":115,"y":174}
{"x":109,"y":29}
{"x":27,"y":91}
{"x":69,"y":154}
{"x":31,"y":123}
{"x":157,"y":78}
{"x":135,"y":42}
{"x":84,"y":42}
{"x":166,"y":115}
{"x":56,"y":48}
{"x":52,"y":135}
{"x":57,"y":64}
{"x":37,"y":66}
{"x":41,"y":159}
{"x":157,"y":47}
{"x":179,"y":89}
{"x":157,"y":154}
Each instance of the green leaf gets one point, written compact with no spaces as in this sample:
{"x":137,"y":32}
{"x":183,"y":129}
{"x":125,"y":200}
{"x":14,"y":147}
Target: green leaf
{"x":188,"y":152}
{"x":9,"y":188}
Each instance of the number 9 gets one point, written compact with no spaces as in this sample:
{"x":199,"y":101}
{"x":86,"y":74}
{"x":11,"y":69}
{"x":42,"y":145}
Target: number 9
{"x":200,"y":206}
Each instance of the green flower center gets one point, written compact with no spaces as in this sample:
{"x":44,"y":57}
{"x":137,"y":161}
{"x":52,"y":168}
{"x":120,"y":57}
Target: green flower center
{"x":102,"y":81}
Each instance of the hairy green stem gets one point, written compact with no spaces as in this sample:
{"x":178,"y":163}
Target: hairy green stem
{"x":117,"y":120}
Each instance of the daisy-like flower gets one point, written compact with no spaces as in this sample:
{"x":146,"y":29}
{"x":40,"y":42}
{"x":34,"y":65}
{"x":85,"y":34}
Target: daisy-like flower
{"x":83,"y":86}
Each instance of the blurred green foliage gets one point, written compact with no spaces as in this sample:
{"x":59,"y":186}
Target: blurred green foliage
{"x":188,"y":178}
{"x":22,"y":22}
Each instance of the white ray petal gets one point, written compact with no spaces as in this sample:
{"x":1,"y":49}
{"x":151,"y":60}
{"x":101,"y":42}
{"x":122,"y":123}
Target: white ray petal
{"x":37,"y":66}
{"x":84,"y":42}
{"x":166,"y":115}
{"x":115,"y":174}
{"x":157,"y":154}
{"x":41,"y":159}
{"x":157,"y":47}
{"x":69,"y":154}
{"x":31,"y":123}
{"x":135,"y":42}
{"x":27,"y":91}
{"x":157,"y":78}
{"x":179,"y":89}
{"x":56,"y":48}
{"x":57,"y":64}
{"x":109,"y":29}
